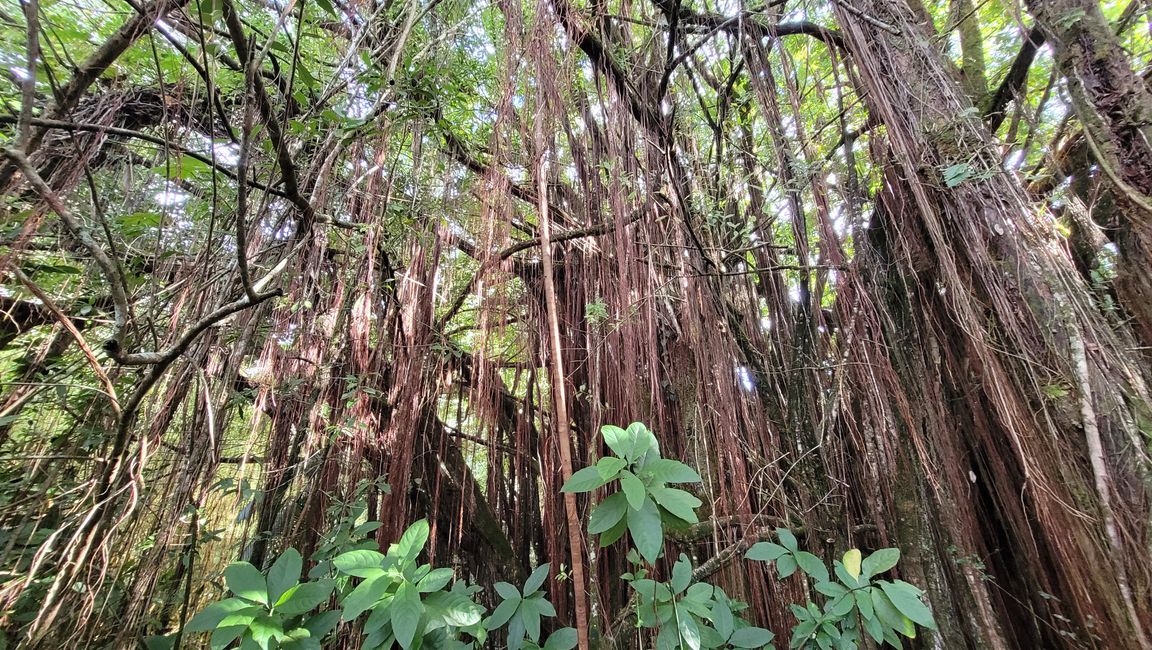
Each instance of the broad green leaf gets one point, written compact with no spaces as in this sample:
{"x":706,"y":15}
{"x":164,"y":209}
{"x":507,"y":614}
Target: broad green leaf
{"x":681,"y":574}
{"x":246,"y":581}
{"x":284,"y":573}
{"x":211,"y":616}
{"x":364,"y":596}
{"x":841,"y":605}
{"x":906,"y":598}
{"x":786,"y":565}
{"x":507,"y":591}
{"x":435,"y":580}
{"x":562,"y":639}
{"x":722,"y":618}
{"x":787,"y":539}
{"x":633,"y":489}
{"x":530,"y":614}
{"x":321,"y":624}
{"x":545,"y":606}
{"x":515,"y":633}
{"x":880,"y":561}
{"x":765,"y":552}
{"x":831,"y":589}
{"x":304,"y":598}
{"x":812,"y":565}
{"x":412,"y":541}
{"x":646,"y":530}
{"x":265,"y":630}
{"x":678,"y":502}
{"x":618,"y":440}
{"x":751,"y":637}
{"x":608,"y":513}
{"x":585,"y":480}
{"x":887,"y":612}
{"x":406,"y":613}
{"x":222,"y":637}
{"x":644,"y":443}
{"x":689,"y":630}
{"x":616,"y":532}
{"x":534,"y":581}
{"x":453,"y":609}
{"x":667,"y":470}
{"x":852,"y":562}
{"x":502,"y":614}
{"x":608,"y":466}
{"x":362,"y":564}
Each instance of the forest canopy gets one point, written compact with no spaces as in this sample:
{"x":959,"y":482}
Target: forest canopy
{"x":282,"y":279}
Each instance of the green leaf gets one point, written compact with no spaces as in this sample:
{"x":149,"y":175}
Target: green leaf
{"x":412,"y":541}
{"x":435,"y":580}
{"x":223,"y":637}
{"x":765,"y":552}
{"x":852,"y":562}
{"x":787,"y":539}
{"x":305,"y":597}
{"x":678,"y":502}
{"x":887,"y":612}
{"x":618,"y":440}
{"x":246,"y":581}
{"x":406,"y":612}
{"x":644,"y":444}
{"x":633,"y":489}
{"x":681,"y":574}
{"x":362,"y":564}
{"x":534,"y":581}
{"x":585,"y":480}
{"x":530,"y":615}
{"x":722,"y":618}
{"x":453,"y":609}
{"x":906,"y":598}
{"x":751,"y":637}
{"x":880,"y":561}
{"x":831,"y":589}
{"x":365,"y":596}
{"x":616,"y":532}
{"x":562,"y":639}
{"x":609,"y":466}
{"x":211,"y":616}
{"x":646,"y":530}
{"x":507,"y":591}
{"x":667,"y":470}
{"x":812,"y":565}
{"x":265,"y":629}
{"x":786,"y":565}
{"x":323,"y":623}
{"x":284,"y":573}
{"x":608,"y":513}
{"x":689,"y":630}
{"x":502,"y":614}
{"x":841,"y":605}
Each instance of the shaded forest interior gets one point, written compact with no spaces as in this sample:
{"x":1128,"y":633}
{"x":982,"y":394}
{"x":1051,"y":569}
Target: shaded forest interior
{"x":879,"y":270}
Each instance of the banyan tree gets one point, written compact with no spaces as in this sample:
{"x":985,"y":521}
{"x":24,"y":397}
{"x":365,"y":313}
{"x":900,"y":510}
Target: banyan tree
{"x":879,"y":270}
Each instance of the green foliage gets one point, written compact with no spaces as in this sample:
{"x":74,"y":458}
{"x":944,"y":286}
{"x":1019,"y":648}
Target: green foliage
{"x":645,"y":501}
{"x":269,"y":611}
{"x":854,"y":599}
{"x":395,"y":600}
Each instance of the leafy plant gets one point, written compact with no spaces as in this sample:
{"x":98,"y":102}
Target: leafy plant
{"x":644,"y":501}
{"x":399,"y":601}
{"x":269,"y":611}
{"x":521,"y":611}
{"x":885,"y":608}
